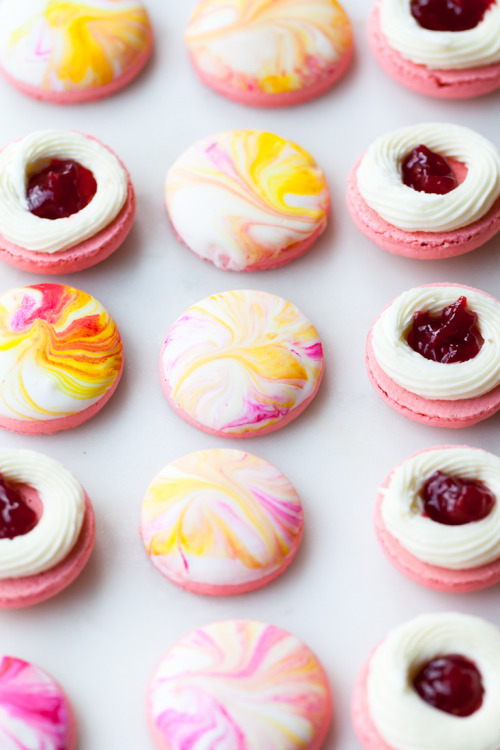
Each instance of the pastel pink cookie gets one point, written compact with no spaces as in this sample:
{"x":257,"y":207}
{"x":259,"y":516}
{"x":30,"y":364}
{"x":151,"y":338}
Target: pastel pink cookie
{"x":448,"y":409}
{"x":239,"y":684}
{"x":61,"y":358}
{"x":221,"y":522}
{"x":363,"y":724}
{"x":241,"y":363}
{"x":437,"y":541}
{"x":35,"y":711}
{"x":72,"y":52}
{"x":451,"y":83}
{"x":257,"y":54}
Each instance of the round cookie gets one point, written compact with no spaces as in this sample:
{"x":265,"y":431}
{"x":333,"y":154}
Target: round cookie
{"x":443,"y":64}
{"x":221,"y":522}
{"x":388,"y":711}
{"x":239,"y":683}
{"x":47,"y":528}
{"x":447,"y":553}
{"x":34,"y":710}
{"x":268,"y":55}
{"x":66,"y":202}
{"x":241,"y":363}
{"x":427,"y":225}
{"x":456,"y":394}
{"x":71,"y":52}
{"x":61,"y":358}
{"x":260,"y":201}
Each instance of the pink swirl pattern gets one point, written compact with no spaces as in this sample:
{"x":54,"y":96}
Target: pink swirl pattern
{"x":239,"y":685}
{"x":34,"y":712}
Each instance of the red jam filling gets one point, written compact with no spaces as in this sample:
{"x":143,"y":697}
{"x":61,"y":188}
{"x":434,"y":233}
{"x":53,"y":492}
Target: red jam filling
{"x":16,"y":518}
{"x":452,"y":684}
{"x":452,"y":336}
{"x":60,"y":190}
{"x":449,"y":15}
{"x":455,"y":501}
{"x":428,"y":172}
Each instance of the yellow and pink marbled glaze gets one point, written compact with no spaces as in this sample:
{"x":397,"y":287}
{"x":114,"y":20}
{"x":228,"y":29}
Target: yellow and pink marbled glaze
{"x":221,"y":522}
{"x":34,"y":711}
{"x":239,"y":684}
{"x":241,"y":363}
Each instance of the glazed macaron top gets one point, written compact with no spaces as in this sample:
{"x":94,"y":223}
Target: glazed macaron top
{"x":239,"y":683}
{"x":270,"y":48}
{"x":442,"y":49}
{"x":20,"y":194}
{"x":380,"y":178}
{"x":255,"y":197}
{"x":34,"y":711}
{"x":73,"y":50}
{"x":402,"y":717}
{"x":241,"y":363}
{"x":221,"y":519}
{"x":60,"y":352}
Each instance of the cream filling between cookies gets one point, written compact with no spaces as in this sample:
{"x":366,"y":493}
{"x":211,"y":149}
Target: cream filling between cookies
{"x":424,"y":377}
{"x":455,"y":547}
{"x":19,"y":226}
{"x":57,"y":530}
{"x":380,"y":182}
{"x":401,"y":717}
{"x":441,"y":50}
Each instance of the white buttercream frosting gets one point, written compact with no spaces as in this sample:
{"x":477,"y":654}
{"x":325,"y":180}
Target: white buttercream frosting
{"x":424,"y":377}
{"x":21,"y":159}
{"x":379,"y":178}
{"x":57,"y":531}
{"x":455,"y":547}
{"x":402,"y":718}
{"x":440,"y":50}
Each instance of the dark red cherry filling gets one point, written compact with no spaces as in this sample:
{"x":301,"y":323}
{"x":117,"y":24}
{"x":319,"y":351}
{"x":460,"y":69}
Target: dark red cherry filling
{"x":452,"y":336}
{"x":428,"y":172}
{"x":455,"y":501}
{"x":60,"y":190}
{"x":452,"y":684}
{"x":449,"y":15}
{"x":16,"y":517}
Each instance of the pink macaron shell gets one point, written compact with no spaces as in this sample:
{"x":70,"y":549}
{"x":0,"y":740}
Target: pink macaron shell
{"x":439,"y":413}
{"x":443,"y":84}
{"x":257,"y":98}
{"x":431,"y":576}
{"x":360,"y":711}
{"x":419,"y":245}
{"x":24,"y":592}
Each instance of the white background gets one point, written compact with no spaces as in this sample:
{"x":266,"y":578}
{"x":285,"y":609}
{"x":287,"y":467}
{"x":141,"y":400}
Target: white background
{"x":102,"y":637}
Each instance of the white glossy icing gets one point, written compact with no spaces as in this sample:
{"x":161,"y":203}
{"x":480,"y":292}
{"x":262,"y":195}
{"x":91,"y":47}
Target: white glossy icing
{"x":380,"y":181}
{"x":21,"y":158}
{"x":57,"y":530}
{"x":441,"y":50}
{"x":402,"y":718}
{"x":424,"y":377}
{"x":456,"y":547}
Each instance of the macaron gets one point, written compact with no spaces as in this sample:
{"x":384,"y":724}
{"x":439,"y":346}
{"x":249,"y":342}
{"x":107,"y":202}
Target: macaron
{"x":432,"y":683}
{"x":47,"y":528}
{"x":221,"y":522}
{"x":448,"y":50}
{"x":427,"y":191}
{"x":35,"y":711}
{"x":241,"y":363}
{"x":266,"y":54}
{"x":433,"y":355}
{"x":437,"y":518}
{"x":239,"y":683}
{"x":61,"y":358}
{"x":71,"y":52}
{"x":66,"y":202}
{"x":247,"y":200}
